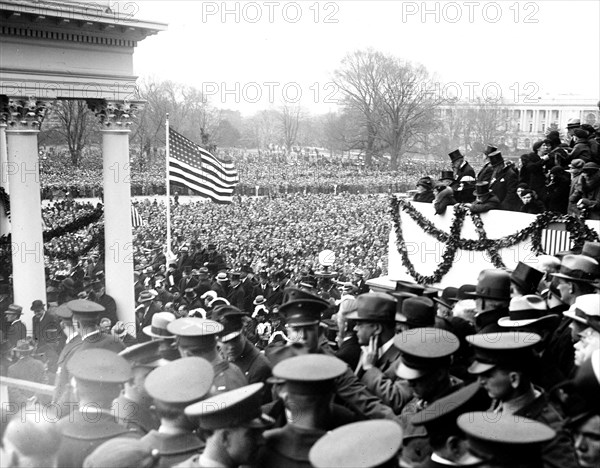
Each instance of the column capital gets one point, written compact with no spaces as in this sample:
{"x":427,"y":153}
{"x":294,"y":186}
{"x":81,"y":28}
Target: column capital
{"x":23,"y":113}
{"x":115,"y":114}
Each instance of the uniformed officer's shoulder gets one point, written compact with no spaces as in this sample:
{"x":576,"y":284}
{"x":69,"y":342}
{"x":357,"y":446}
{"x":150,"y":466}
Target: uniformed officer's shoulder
{"x":192,"y":462}
{"x":122,"y":453}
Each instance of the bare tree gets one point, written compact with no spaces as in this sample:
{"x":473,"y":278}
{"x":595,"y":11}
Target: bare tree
{"x":75,"y":121}
{"x":289,"y":125}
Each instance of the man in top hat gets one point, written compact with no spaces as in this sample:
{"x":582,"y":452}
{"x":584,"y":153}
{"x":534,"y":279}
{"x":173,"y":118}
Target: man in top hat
{"x":503,"y":182}
{"x":525,"y":280}
{"x":189,"y":280}
{"x":504,"y":441}
{"x":485,"y":199}
{"x":198,"y":337}
{"x":236,"y":348}
{"x":134,"y":404}
{"x":190,"y":299}
{"x":237,"y":295}
{"x":301,"y":311}
{"x":308,"y":396}
{"x":25,"y":368}
{"x":144,"y":313}
{"x":275,"y":296}
{"x":173,"y":387}
{"x":461,"y":168}
{"x":425,"y":361}
{"x":485,"y":174}
{"x":99,"y":375}
{"x":234,"y":425}
{"x":374,"y":315}
{"x":99,"y":296}
{"x":86,"y":319}
{"x":15,"y":329}
{"x":448,"y":443}
{"x":504,"y":364}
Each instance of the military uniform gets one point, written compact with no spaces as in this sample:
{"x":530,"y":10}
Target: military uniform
{"x":198,"y":337}
{"x":304,"y":375}
{"x":172,"y":386}
{"x":84,"y":429}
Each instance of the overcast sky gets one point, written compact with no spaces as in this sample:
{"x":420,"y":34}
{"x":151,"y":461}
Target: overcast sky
{"x":251,"y":55}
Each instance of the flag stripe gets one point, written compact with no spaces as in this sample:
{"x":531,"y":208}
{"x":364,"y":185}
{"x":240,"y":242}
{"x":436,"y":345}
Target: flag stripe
{"x":197,"y":169}
{"x":136,"y":219}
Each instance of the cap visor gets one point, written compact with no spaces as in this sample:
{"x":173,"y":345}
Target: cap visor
{"x":408,"y":373}
{"x":262,"y":422}
{"x":480,"y":367}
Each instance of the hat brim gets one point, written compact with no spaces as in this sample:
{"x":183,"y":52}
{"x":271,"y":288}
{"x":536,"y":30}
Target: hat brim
{"x":409,"y":373}
{"x":507,"y":322}
{"x":480,"y":367}
{"x":573,"y":316}
{"x":475,"y":295}
{"x":148,"y":331}
{"x":444,"y":303}
{"x":570,"y":278}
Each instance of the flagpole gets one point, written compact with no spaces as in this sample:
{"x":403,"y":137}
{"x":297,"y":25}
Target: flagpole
{"x":168,"y":203}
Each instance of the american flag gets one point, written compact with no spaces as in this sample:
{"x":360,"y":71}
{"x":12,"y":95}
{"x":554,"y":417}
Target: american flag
{"x":136,"y":219}
{"x":196,"y":168}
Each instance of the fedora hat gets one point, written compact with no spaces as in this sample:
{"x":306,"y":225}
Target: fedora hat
{"x":489,"y":150}
{"x":586,"y":310}
{"x":526,"y":310}
{"x":374,"y":307}
{"x":158,"y":326}
{"x":417,"y":312}
{"x":24,"y":346}
{"x":492,"y":284}
{"x":578,"y":268}
{"x":449,"y":297}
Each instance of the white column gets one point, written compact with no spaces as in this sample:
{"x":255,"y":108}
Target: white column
{"x":118,"y":256}
{"x":29,"y":282}
{"x":4,"y":221}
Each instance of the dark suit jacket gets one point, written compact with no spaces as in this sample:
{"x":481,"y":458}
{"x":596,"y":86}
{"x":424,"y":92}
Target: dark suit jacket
{"x":254,"y":365}
{"x":82,"y":434}
{"x":275,"y":298}
{"x":46,"y":331}
{"x":504,"y":186}
{"x":145,"y":319}
{"x":349,"y":351}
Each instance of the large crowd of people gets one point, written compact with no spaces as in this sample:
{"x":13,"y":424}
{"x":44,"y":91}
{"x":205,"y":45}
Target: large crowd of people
{"x":249,"y":348}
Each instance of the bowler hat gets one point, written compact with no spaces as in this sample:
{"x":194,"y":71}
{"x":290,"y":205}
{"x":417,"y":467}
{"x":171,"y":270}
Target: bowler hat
{"x":456,"y":154}
{"x":36,"y":305}
{"x":526,"y":277}
{"x":374,"y":307}
{"x":448,"y":298}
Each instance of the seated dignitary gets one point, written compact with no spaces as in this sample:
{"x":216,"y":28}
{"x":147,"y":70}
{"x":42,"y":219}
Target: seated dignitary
{"x":237,"y":349}
{"x":364,"y":444}
{"x":134,"y":406}
{"x":99,"y":375}
{"x":504,"y":441}
{"x":425,"y":362}
{"x":504,"y":363}
{"x":485,"y":200}
{"x":233,"y":425}
{"x":375,"y":329}
{"x":123,"y":453}
{"x":308,"y":395}
{"x":29,"y":441}
{"x":198,"y":337}
{"x":173,"y":387}
{"x":448,"y":444}
{"x":157,"y":331}
{"x":301,"y":311}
